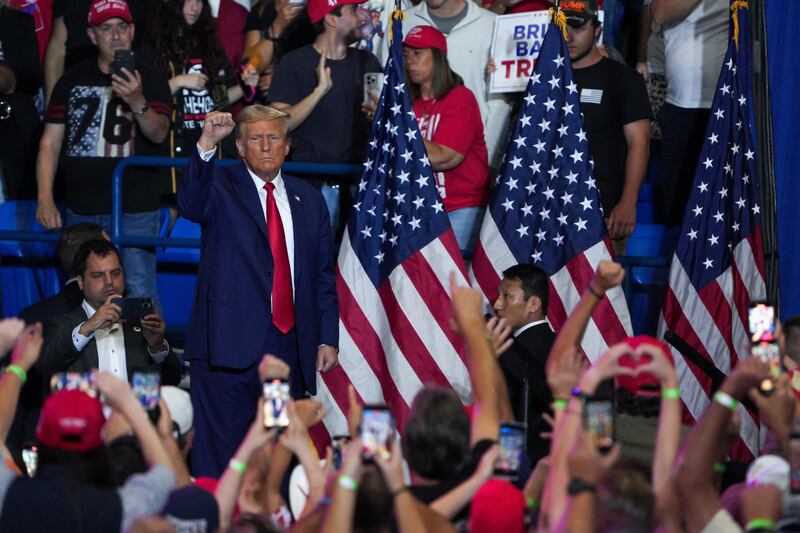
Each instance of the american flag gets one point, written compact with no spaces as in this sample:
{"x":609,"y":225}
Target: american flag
{"x":718,"y":266}
{"x":545,"y":209}
{"x":393,"y":271}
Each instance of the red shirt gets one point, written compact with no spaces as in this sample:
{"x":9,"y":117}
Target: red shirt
{"x":455,"y":122}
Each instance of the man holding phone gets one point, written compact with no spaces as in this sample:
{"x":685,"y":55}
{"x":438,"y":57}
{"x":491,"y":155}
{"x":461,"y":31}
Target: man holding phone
{"x":100,"y":112}
{"x":97,"y":334}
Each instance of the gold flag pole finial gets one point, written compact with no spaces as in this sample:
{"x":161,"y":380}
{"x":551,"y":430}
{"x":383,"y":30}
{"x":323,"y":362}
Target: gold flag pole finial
{"x":559,"y":18}
{"x":397,"y":14}
{"x":735,"y":6}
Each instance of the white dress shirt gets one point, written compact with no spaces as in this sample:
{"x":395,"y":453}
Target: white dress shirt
{"x":527,"y":327}
{"x":281,"y":200}
{"x":110,"y":346}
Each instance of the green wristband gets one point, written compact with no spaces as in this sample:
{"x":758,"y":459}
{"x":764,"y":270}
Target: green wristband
{"x":18,"y":371}
{"x":347,"y":482}
{"x":237,"y":466}
{"x":760,"y":523}
{"x":560,"y":403}
{"x":719,"y":468}
{"x":725,"y":400}
{"x":671,"y":394}
{"x":532,"y":503}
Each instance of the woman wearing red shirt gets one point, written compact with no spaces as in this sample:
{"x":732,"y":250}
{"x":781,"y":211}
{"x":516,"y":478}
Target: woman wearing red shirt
{"x":452,"y":130}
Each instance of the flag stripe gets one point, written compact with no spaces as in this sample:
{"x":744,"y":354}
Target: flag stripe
{"x":687,"y":302}
{"x":404,"y":334}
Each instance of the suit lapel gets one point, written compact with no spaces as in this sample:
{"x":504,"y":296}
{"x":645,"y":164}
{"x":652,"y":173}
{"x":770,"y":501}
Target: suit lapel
{"x":248,"y":195}
{"x":90,"y":350}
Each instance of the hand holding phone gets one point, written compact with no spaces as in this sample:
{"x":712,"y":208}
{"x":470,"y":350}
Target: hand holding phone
{"x":134,"y":307}
{"x":598,"y":418}
{"x":82,"y":381}
{"x":376,"y":431}
{"x":511,"y":449}
{"x":146,"y":387}
{"x":373,"y":85}
{"x":124,"y":59}
{"x":276,"y":398}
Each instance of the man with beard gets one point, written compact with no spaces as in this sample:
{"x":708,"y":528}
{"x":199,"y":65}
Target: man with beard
{"x":321,"y":84}
{"x":617,"y":114}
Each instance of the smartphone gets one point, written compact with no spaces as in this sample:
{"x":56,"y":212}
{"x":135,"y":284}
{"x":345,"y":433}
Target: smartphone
{"x":124,"y":59}
{"x":794,"y":462}
{"x":82,"y":381}
{"x":598,"y":420}
{"x":30,"y":456}
{"x":146,"y":387}
{"x":770,"y":353}
{"x":276,"y":397}
{"x":338,"y":444}
{"x":512,"y":448}
{"x":134,"y":307}
{"x":376,"y":430}
{"x":373,"y":85}
{"x":761,"y":319}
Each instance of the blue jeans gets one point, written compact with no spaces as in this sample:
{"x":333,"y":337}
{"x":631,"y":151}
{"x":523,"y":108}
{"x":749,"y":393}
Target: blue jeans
{"x":139,"y":264}
{"x":466,"y":224}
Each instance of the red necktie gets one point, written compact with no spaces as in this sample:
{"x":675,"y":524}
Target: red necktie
{"x":282,"y":303}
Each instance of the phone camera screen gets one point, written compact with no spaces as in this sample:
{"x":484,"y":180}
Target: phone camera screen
{"x":276,"y":396}
{"x":377,"y":427}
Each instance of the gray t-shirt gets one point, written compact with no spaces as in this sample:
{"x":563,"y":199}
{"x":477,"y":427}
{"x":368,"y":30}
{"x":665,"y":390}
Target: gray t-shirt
{"x":446,"y":24}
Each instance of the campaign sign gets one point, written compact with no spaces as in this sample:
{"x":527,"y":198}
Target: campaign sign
{"x":517,"y":41}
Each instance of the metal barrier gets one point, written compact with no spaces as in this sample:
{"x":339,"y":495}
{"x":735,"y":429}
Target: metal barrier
{"x":320,"y":169}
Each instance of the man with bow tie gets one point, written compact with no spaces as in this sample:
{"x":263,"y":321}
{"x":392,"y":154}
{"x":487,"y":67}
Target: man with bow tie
{"x":93,"y":335}
{"x":266,"y":282}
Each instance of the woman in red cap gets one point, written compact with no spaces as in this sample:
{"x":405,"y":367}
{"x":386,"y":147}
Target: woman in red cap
{"x":452,"y":130}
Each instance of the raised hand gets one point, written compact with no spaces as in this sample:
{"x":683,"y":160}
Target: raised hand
{"x":500,"y":334}
{"x":26,"y":352}
{"x":564,"y":372}
{"x":324,"y":80}
{"x":217,"y":126}
{"x":607,"y":276}
{"x":10,"y":331}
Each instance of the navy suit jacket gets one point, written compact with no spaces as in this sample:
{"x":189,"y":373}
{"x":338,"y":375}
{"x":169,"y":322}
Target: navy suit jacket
{"x":231,"y":315}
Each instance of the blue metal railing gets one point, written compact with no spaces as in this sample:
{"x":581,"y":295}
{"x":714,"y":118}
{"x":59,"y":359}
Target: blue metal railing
{"x":120,"y":239}
{"x":318,"y":169}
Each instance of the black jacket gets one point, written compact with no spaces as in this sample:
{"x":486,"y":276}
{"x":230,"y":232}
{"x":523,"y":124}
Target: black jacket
{"x":525,"y":362}
{"x":59,"y":354}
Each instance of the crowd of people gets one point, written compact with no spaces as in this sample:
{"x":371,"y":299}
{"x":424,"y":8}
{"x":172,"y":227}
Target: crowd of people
{"x":107,"y":463}
{"x":96,"y":431}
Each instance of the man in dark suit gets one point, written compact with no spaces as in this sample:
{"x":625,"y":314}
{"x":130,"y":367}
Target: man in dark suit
{"x":93,"y":335}
{"x":266,"y":282}
{"x":522,"y":301}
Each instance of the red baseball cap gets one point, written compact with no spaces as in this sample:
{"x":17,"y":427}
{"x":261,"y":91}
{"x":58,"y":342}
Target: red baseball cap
{"x":645,"y":383}
{"x":425,"y":37}
{"x":71,"y":420}
{"x":317,"y":9}
{"x":102,"y":10}
{"x":497,"y":506}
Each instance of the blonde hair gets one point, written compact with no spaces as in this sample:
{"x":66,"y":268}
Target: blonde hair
{"x":258,"y":113}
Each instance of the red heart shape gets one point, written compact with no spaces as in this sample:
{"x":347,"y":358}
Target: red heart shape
{"x":642,"y":383}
